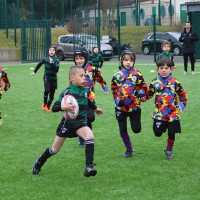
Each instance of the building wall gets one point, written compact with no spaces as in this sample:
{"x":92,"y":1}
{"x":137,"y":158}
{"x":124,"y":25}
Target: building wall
{"x":146,"y":6}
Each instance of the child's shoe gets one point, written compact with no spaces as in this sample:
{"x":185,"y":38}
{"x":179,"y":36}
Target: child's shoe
{"x":36,"y":169}
{"x":1,"y":122}
{"x":168,"y":154}
{"x":90,"y":171}
{"x":129,"y":152}
{"x":48,"y":109}
{"x":44,"y":107}
{"x":105,"y":90}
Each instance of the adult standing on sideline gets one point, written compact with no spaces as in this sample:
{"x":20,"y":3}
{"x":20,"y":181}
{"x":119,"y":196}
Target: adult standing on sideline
{"x":188,"y":37}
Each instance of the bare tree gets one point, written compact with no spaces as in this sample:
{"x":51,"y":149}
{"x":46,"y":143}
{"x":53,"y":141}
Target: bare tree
{"x":108,"y":12}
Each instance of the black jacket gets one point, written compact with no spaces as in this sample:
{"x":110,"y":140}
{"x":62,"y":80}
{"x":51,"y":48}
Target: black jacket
{"x":188,"y":40}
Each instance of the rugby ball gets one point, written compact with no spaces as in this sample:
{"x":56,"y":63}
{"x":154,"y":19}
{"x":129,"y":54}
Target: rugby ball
{"x":70,"y":115}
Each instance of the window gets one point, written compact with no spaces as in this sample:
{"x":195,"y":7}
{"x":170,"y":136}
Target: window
{"x":63,"y":39}
{"x":157,"y":37}
{"x":164,"y":37}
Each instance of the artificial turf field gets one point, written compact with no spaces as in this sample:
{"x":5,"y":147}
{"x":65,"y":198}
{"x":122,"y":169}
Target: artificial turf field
{"x":27,"y":131}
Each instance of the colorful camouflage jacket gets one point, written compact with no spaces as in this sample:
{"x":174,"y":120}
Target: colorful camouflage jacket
{"x":125,"y":86}
{"x":89,"y":73}
{"x":4,"y":81}
{"x":167,"y":93}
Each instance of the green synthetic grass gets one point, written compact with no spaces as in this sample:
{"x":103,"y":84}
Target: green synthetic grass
{"x":27,"y":131}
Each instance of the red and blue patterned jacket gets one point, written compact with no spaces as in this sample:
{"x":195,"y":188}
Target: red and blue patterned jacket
{"x":4,"y":81}
{"x":125,"y":86}
{"x":169,"y":95}
{"x":89,"y":73}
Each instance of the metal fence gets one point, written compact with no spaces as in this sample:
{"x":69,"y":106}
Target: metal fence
{"x":111,"y":14}
{"x":36,"y":39}
{"x":135,"y":13}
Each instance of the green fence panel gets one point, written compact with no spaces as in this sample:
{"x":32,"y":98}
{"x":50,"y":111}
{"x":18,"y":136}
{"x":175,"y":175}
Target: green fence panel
{"x":36,"y":39}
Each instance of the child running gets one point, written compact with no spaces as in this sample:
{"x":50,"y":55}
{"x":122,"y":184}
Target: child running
{"x":51,"y":69}
{"x":97,"y":61}
{"x":78,"y":127}
{"x":81,"y":57}
{"x":127,"y":87}
{"x":166,"y":47}
{"x":4,"y":86}
{"x":166,"y":111}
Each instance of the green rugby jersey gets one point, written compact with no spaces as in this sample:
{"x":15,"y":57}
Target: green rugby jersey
{"x":166,"y":55}
{"x":81,"y":95}
{"x":96,"y":59}
{"x":50,"y":69}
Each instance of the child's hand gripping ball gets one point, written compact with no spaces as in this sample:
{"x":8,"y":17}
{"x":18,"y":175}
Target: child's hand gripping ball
{"x":73,"y":114}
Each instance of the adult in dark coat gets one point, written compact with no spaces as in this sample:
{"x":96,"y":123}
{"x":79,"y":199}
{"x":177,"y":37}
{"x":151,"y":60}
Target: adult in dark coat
{"x":188,"y":37}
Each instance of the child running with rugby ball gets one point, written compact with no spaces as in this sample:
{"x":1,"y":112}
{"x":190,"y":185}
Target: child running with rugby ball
{"x":77,"y":127}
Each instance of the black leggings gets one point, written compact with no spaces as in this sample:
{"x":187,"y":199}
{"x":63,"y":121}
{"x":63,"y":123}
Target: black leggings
{"x":192,"y":60}
{"x":49,"y":90}
{"x":49,"y":94}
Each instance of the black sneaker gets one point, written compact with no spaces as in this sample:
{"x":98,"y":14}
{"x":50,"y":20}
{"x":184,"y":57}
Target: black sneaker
{"x":36,"y":169}
{"x":129,"y":152}
{"x":90,"y":171}
{"x":168,"y":154}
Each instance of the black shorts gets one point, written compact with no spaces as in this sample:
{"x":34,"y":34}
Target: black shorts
{"x":68,"y":132}
{"x":160,"y":127}
{"x":135,"y":120}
